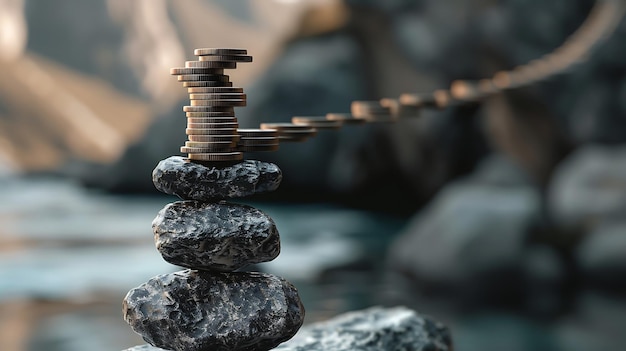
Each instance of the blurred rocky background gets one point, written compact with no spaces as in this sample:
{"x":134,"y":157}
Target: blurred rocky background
{"x":506,"y":219}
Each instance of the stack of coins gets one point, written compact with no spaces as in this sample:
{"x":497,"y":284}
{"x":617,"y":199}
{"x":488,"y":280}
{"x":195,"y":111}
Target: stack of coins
{"x":211,"y":122}
{"x":372,"y":111}
{"x":317,"y":122}
{"x":291,"y":131}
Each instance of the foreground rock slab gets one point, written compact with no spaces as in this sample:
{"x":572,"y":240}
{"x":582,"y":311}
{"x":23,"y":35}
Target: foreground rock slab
{"x":145,"y":348}
{"x":373,"y":329}
{"x":192,"y":181}
{"x":204,"y":311}
{"x":215,"y":236}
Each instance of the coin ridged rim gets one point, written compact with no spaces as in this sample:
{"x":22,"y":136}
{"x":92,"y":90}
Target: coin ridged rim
{"x":229,"y":109}
{"x":224,"y":102}
{"x":218,"y":96}
{"x":251,"y":132}
{"x":196,"y":120}
{"x":215,"y":90}
{"x":214,"y":114}
{"x":225,"y":58}
{"x":212,"y":131}
{"x":177,"y":71}
{"x":217,"y":146}
{"x":210,"y":143}
{"x":216,"y":156}
{"x":210,"y":64}
{"x":219,"y":51}
{"x":204,"y":138}
{"x":212,"y":125}
{"x":207,"y":84}
{"x":222,"y":78}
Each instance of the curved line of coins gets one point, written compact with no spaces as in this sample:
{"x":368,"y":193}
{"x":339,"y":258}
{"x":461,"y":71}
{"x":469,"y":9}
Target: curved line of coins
{"x":212,"y":127}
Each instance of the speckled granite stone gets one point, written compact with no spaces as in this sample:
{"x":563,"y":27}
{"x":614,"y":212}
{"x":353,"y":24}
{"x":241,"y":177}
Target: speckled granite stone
{"x":192,"y":181}
{"x":145,"y":348}
{"x":373,"y":329}
{"x":214,"y":236}
{"x":208,"y":311}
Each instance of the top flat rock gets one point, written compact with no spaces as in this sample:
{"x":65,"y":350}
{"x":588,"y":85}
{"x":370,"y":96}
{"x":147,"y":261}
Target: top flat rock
{"x":193,"y":181}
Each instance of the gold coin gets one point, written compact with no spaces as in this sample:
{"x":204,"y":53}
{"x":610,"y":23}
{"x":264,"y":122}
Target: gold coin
{"x":228,"y":109}
{"x":247,"y":132}
{"x":213,"y":114}
{"x":320,"y":122}
{"x":225,"y":58}
{"x":258,"y":141}
{"x":216,"y":156}
{"x":212,"y":125}
{"x":218,"y":96}
{"x":368,"y":108}
{"x":215,"y":90}
{"x":203,"y":78}
{"x":209,"y":144}
{"x":212,"y":131}
{"x":344,"y":117}
{"x":263,"y":138}
{"x":196,"y":70}
{"x":285,"y":126}
{"x":207,"y":84}
{"x":219,"y":51}
{"x":230,"y":102}
{"x":211,"y":119}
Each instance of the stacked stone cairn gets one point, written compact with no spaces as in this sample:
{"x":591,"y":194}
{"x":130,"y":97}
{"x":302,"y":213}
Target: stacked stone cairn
{"x":215,"y":303}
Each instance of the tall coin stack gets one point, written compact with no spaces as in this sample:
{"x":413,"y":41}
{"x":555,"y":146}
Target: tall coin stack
{"x":211,"y":121}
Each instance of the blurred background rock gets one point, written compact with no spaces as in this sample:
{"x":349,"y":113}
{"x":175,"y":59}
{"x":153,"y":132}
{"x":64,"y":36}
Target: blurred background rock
{"x":504,"y":220}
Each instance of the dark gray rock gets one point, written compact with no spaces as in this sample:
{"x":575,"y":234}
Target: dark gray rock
{"x":204,"y":311}
{"x":145,"y":348}
{"x":589,"y":187}
{"x":192,"y":181}
{"x":601,"y":258}
{"x":469,"y":243}
{"x":215,"y":236}
{"x":373,"y":329}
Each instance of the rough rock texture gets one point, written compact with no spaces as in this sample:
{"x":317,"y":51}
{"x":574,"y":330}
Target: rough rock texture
{"x":145,"y":348}
{"x":215,"y":236}
{"x":373,"y":329}
{"x":205,"y":311}
{"x":192,"y":181}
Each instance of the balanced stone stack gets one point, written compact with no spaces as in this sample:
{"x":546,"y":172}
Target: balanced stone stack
{"x":213,"y":304}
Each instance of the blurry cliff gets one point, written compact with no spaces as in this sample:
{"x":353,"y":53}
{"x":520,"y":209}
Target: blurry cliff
{"x":85,"y":90}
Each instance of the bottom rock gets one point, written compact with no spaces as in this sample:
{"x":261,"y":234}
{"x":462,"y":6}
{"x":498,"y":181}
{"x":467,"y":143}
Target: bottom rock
{"x":373,"y":329}
{"x":205,"y":311}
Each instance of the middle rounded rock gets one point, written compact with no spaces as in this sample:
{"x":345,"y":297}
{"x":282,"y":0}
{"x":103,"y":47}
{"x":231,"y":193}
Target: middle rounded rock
{"x":215,"y":236}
